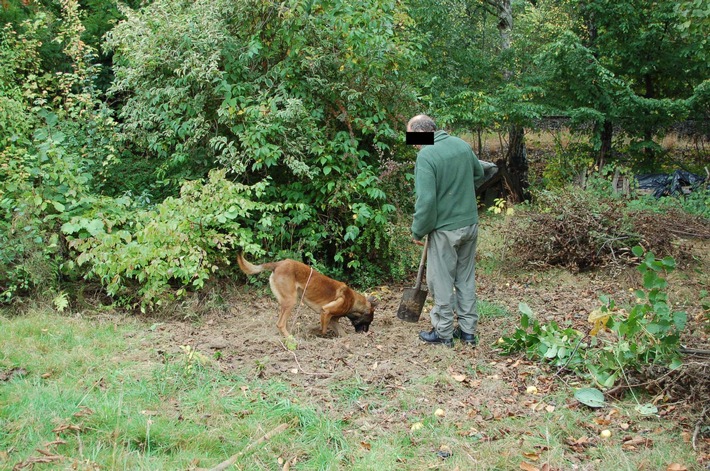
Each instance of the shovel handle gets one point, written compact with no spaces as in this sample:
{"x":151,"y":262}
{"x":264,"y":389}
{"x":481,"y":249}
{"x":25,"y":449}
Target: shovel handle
{"x":420,"y":273}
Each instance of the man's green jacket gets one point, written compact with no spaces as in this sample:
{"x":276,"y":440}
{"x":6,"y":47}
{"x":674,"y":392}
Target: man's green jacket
{"x":445,"y":179}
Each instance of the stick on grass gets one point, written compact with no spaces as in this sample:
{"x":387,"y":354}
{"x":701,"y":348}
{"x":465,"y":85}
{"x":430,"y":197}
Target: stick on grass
{"x":268,"y":436}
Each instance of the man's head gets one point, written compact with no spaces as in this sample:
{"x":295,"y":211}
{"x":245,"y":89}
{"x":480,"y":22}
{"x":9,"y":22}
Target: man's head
{"x":421,"y":123}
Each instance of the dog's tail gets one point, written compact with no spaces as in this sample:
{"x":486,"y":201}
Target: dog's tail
{"x":251,"y":269}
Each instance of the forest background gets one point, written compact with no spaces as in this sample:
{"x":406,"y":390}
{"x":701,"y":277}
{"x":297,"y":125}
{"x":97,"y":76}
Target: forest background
{"x":143,"y":143}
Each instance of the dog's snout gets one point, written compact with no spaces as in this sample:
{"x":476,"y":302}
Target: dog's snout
{"x":362,"y":328}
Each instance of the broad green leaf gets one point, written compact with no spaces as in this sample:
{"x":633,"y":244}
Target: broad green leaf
{"x":646,"y":409}
{"x":525,"y":309}
{"x":591,"y":397}
{"x":95,"y":227}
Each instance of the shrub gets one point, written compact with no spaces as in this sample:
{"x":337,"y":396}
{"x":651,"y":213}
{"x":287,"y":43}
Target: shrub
{"x":149,"y":256}
{"x":308,"y":96}
{"x":617,"y":340}
{"x":56,"y":133}
{"x":585,"y":228}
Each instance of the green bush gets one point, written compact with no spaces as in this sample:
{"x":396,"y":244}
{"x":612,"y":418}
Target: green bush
{"x":56,"y":134}
{"x":148,"y":256}
{"x":618,"y":340}
{"x":312,"y":97}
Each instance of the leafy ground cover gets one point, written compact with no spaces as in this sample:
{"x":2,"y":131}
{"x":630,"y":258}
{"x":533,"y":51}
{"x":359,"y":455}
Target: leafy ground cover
{"x":92,"y":390}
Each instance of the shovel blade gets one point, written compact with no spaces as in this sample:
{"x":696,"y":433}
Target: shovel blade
{"x":412,"y":304}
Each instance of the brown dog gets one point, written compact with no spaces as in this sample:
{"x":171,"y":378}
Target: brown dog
{"x":293,"y":282}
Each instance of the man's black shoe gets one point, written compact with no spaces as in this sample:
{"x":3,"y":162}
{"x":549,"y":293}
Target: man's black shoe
{"x":433,"y":337}
{"x":466,"y":338}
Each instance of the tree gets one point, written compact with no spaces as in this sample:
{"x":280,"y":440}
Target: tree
{"x":471,"y":77}
{"x":618,"y":67}
{"x":304,"y":96}
{"x":516,"y":156}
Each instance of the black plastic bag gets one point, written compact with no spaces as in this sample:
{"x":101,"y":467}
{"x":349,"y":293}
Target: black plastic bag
{"x":664,"y":184}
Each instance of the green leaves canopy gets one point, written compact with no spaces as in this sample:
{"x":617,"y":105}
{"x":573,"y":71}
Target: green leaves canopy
{"x":308,"y":94}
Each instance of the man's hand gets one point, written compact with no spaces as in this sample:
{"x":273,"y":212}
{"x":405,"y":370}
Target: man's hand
{"x":418,"y":242}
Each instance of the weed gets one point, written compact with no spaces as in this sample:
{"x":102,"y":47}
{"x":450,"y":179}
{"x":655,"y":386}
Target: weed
{"x":648,"y":333}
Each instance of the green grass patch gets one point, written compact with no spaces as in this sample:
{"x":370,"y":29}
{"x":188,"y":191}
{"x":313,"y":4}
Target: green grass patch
{"x":488,"y":310}
{"x":82,"y":390}
{"x":99,"y":393}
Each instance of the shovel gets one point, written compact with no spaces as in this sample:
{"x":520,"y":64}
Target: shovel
{"x":413,"y":298}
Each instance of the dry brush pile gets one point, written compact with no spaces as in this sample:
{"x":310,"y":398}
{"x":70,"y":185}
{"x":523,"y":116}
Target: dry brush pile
{"x":580,"y":231}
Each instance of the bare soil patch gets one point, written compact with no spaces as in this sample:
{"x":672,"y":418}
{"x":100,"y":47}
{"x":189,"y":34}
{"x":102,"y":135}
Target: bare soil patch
{"x":367,"y":379}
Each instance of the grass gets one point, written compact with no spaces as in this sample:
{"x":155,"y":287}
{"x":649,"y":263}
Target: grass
{"x":115,"y":402}
{"x":83,"y":383}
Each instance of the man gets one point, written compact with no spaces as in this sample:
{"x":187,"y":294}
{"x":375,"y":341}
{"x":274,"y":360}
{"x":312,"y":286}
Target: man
{"x":446,"y":212}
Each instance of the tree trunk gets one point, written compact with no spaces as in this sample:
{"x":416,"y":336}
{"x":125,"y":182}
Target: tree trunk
{"x":606,"y":134}
{"x":605,"y":130}
{"x":648,"y":153}
{"x":516,"y":156}
{"x":517,"y":164}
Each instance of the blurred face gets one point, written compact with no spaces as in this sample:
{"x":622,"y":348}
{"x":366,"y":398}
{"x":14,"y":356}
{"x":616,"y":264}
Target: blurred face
{"x":416,"y":146}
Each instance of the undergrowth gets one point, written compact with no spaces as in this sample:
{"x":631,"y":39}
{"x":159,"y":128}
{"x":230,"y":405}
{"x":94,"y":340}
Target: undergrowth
{"x":618,"y":340}
{"x":582,"y":229}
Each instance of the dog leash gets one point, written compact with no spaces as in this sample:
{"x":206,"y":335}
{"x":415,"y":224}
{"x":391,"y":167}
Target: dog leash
{"x":303,"y":295}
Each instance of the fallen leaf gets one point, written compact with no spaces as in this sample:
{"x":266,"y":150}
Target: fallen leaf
{"x":531,"y":455}
{"x":579,"y":444}
{"x":459,"y":378}
{"x":631,"y":443}
{"x":366,"y":445}
{"x":676,"y":467}
{"x":550,"y":409}
{"x":528,"y":467}
{"x":598,"y":319}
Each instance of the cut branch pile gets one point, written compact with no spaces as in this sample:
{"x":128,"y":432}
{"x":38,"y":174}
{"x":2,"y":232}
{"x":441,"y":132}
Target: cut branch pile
{"x":580,"y":232}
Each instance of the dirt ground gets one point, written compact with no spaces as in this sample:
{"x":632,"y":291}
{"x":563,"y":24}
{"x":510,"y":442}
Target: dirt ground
{"x":382,"y":364}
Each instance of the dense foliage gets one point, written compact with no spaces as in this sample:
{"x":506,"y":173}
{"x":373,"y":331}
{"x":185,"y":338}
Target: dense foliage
{"x":142,"y":144}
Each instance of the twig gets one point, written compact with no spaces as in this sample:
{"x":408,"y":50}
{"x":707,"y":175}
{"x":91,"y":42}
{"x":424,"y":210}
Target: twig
{"x":569,"y":358}
{"x":698,"y":426}
{"x":693,"y":235}
{"x":694,"y":351}
{"x":299,"y":364}
{"x":268,"y":436}
{"x":612,"y":392}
